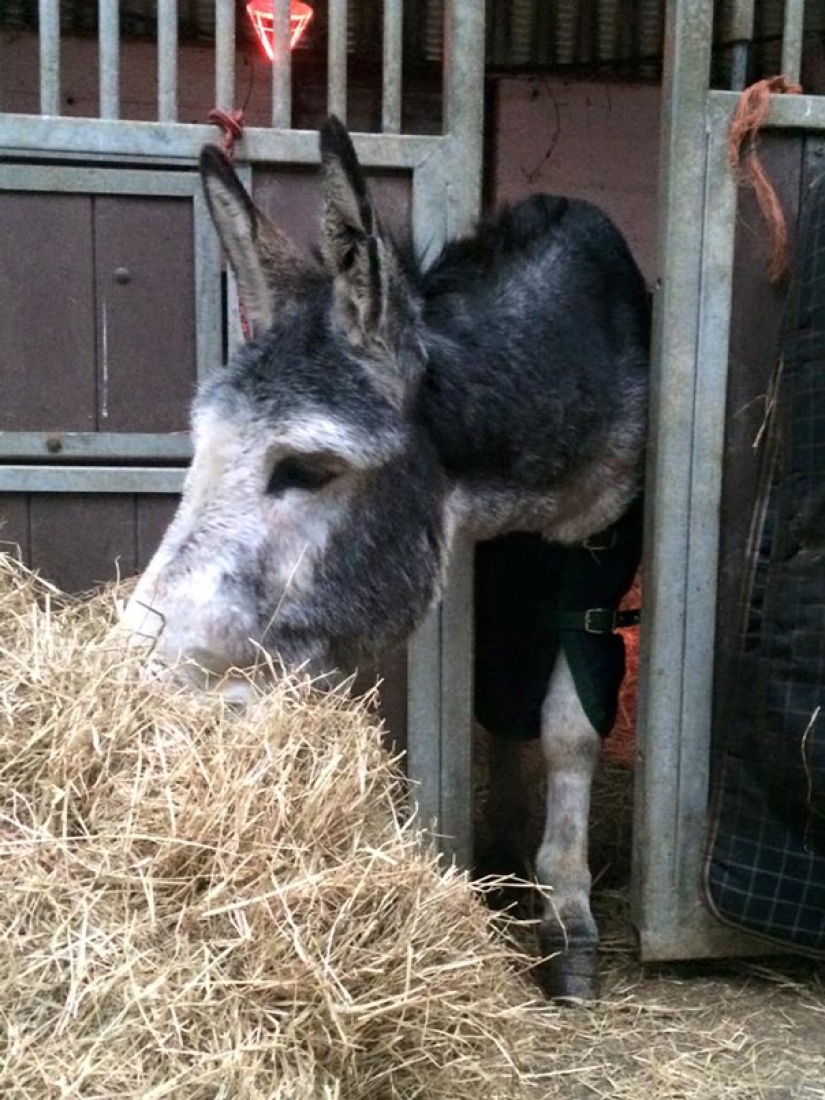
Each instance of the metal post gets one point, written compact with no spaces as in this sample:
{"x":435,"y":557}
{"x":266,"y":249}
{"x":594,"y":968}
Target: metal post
{"x":440,"y":714}
{"x":225,"y":54}
{"x":741,"y":36}
{"x":168,"y":60}
{"x":49,"y":16}
{"x":464,"y":108}
{"x":337,"y":59}
{"x":792,"y":39}
{"x":659,"y":824}
{"x":109,"y":50}
{"x":281,"y":66}
{"x":392,"y":48}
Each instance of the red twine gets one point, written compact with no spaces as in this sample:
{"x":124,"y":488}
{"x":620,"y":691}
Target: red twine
{"x":231,"y":123}
{"x":751,"y":112}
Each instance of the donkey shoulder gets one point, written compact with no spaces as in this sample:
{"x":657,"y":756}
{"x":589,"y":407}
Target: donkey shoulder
{"x":576,"y":230}
{"x":537,"y":355}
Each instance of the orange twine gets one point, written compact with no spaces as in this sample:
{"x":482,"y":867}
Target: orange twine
{"x":751,"y":113}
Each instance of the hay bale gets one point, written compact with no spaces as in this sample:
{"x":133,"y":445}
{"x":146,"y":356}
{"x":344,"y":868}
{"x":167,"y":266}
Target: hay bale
{"x":199,"y":903}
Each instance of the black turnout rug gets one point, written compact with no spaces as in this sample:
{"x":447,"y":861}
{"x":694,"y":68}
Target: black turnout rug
{"x":765,"y":869}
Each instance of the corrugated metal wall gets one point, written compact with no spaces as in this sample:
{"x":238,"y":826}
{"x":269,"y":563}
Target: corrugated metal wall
{"x":621,"y":37}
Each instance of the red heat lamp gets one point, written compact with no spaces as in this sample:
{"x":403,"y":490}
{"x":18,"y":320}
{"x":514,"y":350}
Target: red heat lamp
{"x":260,"y":12}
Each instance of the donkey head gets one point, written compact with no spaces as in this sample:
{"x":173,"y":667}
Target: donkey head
{"x":312,"y":522}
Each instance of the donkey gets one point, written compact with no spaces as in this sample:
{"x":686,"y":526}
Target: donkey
{"x":377,"y":411}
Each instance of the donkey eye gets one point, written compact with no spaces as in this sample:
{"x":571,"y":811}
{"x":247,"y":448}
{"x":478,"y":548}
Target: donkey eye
{"x":300,"y":473}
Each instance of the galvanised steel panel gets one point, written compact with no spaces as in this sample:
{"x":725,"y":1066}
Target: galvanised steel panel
{"x":171,"y":143}
{"x":792,"y":38}
{"x":337,"y":59}
{"x":89,"y":479}
{"x":224,"y":54}
{"x":446,"y":189}
{"x":49,"y":23}
{"x":168,"y":60}
{"x":667,"y":519}
{"x":281,"y":65}
{"x":109,"y":58}
{"x":392,"y":47}
{"x":690,"y":365}
{"x":440,"y":671}
{"x":82,"y":447}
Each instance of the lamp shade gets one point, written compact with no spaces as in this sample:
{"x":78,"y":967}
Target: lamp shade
{"x":260,"y":12}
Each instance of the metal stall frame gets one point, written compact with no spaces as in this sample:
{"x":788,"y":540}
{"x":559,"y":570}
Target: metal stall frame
{"x":446,"y":191}
{"x":693,"y":296}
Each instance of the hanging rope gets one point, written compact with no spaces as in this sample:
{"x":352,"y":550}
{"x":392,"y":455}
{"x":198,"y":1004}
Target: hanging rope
{"x":231,"y":123}
{"x":751,"y":112}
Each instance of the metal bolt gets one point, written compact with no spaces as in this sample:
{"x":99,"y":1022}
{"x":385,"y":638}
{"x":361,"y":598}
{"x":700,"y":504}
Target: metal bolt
{"x":123,"y":275}
{"x":54,"y":444}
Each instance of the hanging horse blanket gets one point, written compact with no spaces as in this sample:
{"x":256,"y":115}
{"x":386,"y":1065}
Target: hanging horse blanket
{"x":766,"y":864}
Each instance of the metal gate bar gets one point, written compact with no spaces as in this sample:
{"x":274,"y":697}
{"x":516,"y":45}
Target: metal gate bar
{"x":96,"y":479}
{"x":337,"y":59}
{"x":281,"y":66}
{"x":792,"y":38}
{"x":740,"y":33}
{"x":80,"y":448}
{"x":109,"y":46}
{"x":392,"y":46}
{"x":49,"y":23}
{"x":440,"y":721}
{"x":168,"y":60}
{"x":667,"y":520}
{"x":171,"y":142}
{"x":225,"y":54}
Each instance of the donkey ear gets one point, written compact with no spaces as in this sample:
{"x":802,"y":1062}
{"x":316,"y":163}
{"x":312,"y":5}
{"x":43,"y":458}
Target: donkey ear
{"x":368,"y":286}
{"x":265,"y":262}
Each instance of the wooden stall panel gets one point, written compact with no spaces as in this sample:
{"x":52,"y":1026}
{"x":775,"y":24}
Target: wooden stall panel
{"x":756,"y":321}
{"x":14,"y":524}
{"x":154,"y":514}
{"x":78,"y":540}
{"x":144,"y":277}
{"x":81,"y":540}
{"x":47,"y":339}
{"x":293,"y":198}
{"x":392,"y":694}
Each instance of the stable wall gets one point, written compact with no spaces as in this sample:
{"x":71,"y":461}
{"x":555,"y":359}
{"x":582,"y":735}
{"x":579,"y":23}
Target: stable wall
{"x":595,"y":140}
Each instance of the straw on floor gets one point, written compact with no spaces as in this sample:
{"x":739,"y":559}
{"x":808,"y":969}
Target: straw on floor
{"x":200,"y":904}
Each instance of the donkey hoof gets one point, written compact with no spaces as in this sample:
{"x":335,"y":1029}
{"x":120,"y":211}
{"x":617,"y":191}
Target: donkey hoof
{"x":570,"y":977}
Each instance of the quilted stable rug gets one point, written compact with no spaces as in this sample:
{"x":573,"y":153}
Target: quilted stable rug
{"x":765,"y":870}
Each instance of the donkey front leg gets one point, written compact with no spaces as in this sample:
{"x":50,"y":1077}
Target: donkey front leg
{"x":568,"y":931}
